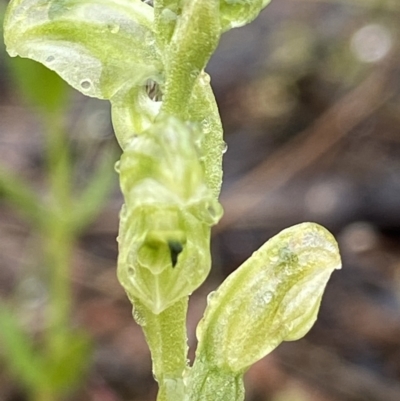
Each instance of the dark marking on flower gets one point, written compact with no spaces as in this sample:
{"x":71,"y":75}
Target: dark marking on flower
{"x":175,"y":248}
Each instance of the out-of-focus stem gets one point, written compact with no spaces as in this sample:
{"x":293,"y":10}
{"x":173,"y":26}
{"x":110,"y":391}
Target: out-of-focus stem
{"x":57,"y":233}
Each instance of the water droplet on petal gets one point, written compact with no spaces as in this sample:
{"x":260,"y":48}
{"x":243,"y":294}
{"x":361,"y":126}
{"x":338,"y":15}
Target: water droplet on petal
{"x":117,"y":166}
{"x":139,"y":318}
{"x":86,"y":84}
{"x":211,"y":297}
{"x":50,"y":59}
{"x":205,"y":78}
{"x":214,"y":211}
{"x":224,"y":147}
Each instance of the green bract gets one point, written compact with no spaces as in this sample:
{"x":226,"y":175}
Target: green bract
{"x":273,"y":297}
{"x":149,"y":62}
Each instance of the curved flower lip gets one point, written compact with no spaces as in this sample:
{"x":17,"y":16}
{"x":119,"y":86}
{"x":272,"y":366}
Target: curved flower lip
{"x":273,"y":297}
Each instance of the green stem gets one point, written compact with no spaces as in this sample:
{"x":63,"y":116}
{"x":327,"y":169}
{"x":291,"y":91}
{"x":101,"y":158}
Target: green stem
{"x":57,"y":233}
{"x":58,"y":252}
{"x":195,"y":38}
{"x":58,"y":164}
{"x":166,"y":336}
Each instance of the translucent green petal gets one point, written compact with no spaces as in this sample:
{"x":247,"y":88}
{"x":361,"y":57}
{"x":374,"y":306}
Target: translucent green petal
{"x":273,"y":297}
{"x":204,"y":110}
{"x":99,"y":47}
{"x":133,"y":111}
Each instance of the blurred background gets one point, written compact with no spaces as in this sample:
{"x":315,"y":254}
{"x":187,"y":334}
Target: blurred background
{"x":309,"y":95}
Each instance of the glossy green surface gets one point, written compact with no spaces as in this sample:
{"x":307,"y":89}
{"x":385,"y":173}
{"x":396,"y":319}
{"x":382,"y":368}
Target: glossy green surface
{"x":273,"y":297}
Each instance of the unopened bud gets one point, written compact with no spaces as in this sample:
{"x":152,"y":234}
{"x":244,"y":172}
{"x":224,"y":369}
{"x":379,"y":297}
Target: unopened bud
{"x":273,"y":297}
{"x":165,"y":224}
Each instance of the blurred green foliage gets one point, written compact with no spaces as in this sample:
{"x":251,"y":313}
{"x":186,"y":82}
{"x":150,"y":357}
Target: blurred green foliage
{"x":54,"y":363}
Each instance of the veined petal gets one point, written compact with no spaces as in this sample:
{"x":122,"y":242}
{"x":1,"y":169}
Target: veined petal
{"x":99,"y":47}
{"x":273,"y":297}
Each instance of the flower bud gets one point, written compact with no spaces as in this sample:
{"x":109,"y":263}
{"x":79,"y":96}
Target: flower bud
{"x":165,"y":224}
{"x":273,"y":297}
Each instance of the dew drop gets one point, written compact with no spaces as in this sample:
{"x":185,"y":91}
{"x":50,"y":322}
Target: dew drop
{"x":215,"y":212}
{"x":205,"y":78}
{"x":139,"y":318}
{"x":211,"y":297}
{"x":50,"y":59}
{"x":86,"y":84}
{"x":224,"y":147}
{"x":117,"y":166}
